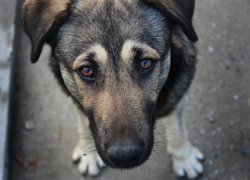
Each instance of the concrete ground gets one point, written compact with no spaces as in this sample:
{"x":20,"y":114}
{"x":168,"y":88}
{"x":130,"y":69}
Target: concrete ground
{"x":217,"y":107}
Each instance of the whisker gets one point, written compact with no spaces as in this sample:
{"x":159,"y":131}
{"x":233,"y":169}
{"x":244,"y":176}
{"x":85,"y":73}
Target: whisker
{"x":89,"y":149}
{"x":156,"y":154}
{"x":83,"y":128}
{"x":85,"y":154}
{"x":159,"y":146}
{"x":150,"y":160}
{"x":164,"y":124}
{"x":95,"y":157}
{"x":88,"y":144}
{"x":151,"y":157}
{"x":167,"y":136}
{"x":161,"y":143}
{"x":77,"y":139}
{"x":160,"y":137}
{"x":171,"y":134}
{"x":148,"y":163}
{"x":165,"y":147}
{"x":78,"y":134}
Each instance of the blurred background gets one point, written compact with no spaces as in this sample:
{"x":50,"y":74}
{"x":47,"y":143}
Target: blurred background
{"x":42,"y":122}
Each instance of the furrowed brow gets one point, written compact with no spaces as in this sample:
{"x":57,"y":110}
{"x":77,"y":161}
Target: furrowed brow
{"x":131,"y":49}
{"x":96,"y":52}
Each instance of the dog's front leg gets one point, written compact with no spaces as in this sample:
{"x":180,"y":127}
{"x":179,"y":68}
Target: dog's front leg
{"x":90,"y":161}
{"x":185,"y":157}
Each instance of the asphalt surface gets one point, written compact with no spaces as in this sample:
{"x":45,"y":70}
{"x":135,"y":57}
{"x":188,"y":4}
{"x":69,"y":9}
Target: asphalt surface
{"x":217,"y":107}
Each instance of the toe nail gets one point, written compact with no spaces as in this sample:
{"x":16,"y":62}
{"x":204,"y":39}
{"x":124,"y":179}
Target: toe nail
{"x":76,"y":161}
{"x":202,"y":159}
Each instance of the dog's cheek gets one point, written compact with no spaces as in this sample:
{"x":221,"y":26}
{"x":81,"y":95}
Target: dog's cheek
{"x":83,"y":93}
{"x":70,"y":83}
{"x":164,"y":70}
{"x":86,"y":92}
{"x":151,"y":84}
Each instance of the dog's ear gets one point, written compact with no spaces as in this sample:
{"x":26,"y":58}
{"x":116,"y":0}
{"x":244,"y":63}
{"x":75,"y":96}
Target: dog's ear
{"x":40,"y":18}
{"x":179,"y":11}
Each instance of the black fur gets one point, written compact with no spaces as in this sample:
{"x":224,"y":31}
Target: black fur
{"x":180,"y":13}
{"x":72,"y":32}
{"x":181,"y":74}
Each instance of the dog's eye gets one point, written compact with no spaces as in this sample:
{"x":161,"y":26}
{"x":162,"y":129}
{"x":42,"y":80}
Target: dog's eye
{"x":146,"y":66}
{"x":146,"y":63}
{"x":87,"y":72}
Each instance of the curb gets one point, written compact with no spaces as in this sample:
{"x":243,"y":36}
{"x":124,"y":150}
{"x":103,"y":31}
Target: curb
{"x":7,"y":34}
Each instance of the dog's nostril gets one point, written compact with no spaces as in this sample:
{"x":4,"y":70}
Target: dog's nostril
{"x":125,"y":154}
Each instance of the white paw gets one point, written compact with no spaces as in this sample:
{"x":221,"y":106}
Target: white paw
{"x":90,"y":163}
{"x":189,"y":164}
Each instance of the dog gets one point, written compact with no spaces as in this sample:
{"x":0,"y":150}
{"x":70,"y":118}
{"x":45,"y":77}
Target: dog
{"x":126,"y":64}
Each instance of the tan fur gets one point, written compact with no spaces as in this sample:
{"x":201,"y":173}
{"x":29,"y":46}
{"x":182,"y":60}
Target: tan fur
{"x":79,"y":61}
{"x":101,"y":56}
{"x":113,"y":95}
{"x":84,"y":92}
{"x":176,"y":41}
{"x":184,"y":155}
{"x":113,"y":106}
{"x":105,"y":106}
{"x":127,"y":53}
{"x":90,"y":161}
{"x":54,"y":7}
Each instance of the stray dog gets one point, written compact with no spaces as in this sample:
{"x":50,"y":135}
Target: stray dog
{"x":125,"y":63}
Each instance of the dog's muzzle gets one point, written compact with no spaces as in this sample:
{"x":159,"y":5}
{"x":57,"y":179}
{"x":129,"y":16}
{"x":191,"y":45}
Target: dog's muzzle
{"x":125,"y":154}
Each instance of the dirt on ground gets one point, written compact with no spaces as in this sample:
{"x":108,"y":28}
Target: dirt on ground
{"x":217,"y":107}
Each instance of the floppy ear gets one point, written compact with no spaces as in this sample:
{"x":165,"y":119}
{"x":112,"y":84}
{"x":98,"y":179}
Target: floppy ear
{"x":40,"y":18}
{"x":180,"y":12}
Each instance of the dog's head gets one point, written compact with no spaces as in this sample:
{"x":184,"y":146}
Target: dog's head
{"x":114,"y":58}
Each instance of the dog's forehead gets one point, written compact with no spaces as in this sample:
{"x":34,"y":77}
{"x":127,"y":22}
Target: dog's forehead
{"x":111,"y":23}
{"x":116,"y":3}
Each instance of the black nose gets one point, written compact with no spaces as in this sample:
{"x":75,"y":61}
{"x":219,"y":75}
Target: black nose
{"x":125,"y":154}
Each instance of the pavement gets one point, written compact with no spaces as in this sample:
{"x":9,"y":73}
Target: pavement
{"x":217,"y":107}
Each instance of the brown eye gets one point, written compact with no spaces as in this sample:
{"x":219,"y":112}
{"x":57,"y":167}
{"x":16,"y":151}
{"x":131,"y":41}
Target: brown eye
{"x":146,"y":63}
{"x":87,"y":72}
